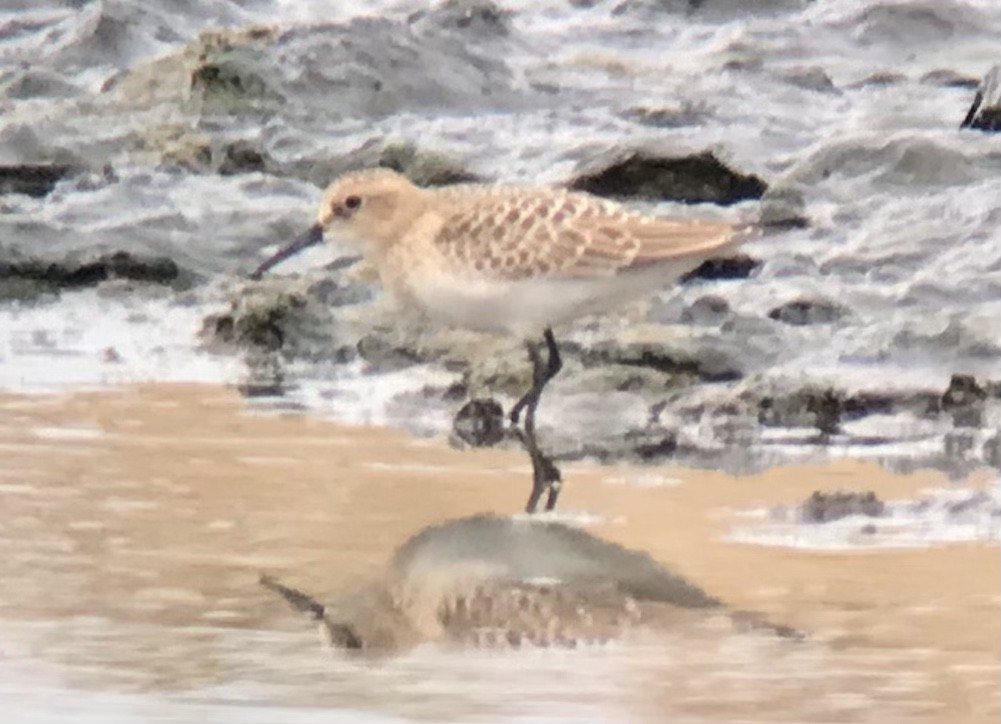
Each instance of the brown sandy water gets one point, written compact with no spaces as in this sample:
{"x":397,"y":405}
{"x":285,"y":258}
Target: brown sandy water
{"x":135,"y":523}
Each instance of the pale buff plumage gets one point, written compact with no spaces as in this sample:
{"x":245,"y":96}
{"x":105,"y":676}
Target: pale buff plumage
{"x":512,"y":259}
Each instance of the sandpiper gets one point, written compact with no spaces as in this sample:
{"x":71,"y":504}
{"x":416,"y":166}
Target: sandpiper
{"x":510,"y":259}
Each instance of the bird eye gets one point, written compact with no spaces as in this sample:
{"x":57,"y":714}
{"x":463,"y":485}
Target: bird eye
{"x":352,"y":202}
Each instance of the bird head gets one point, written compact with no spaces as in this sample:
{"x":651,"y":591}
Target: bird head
{"x":372,"y":207}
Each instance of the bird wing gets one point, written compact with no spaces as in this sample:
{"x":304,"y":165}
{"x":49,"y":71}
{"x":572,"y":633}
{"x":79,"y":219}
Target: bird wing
{"x":519,"y":234}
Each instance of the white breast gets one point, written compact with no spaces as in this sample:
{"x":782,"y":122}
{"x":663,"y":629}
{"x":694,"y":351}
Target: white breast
{"x":526,"y":307}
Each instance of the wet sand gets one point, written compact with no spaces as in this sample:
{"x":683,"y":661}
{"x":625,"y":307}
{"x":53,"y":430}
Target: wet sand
{"x":137,"y":521}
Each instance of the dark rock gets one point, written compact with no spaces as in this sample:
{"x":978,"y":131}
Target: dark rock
{"x":694,"y":178}
{"x":880,"y":79}
{"x":242,"y":157}
{"x":947,"y":78}
{"x":36,"y":180}
{"x":40,"y":276}
{"x":826,"y":507}
{"x":223,"y":80}
{"x":268,"y":321}
{"x":783,"y":208}
{"x":863,"y":404}
{"x":455,"y":392}
{"x":744,"y":60}
{"x":257,"y":388}
{"x":963,"y":390}
{"x":483,"y":18}
{"x":802,"y":312}
{"x":738,"y":266}
{"x":688,"y":114}
{"x":336,"y":292}
{"x":710,"y":365}
{"x":964,"y":401}
{"x":706,"y":8}
{"x":229,"y":73}
{"x":653,"y":443}
{"x":262,"y":330}
{"x":708,"y":309}
{"x":992,"y":451}
{"x":985,"y":111}
{"x":480,"y":423}
{"x":813,"y":79}
{"x":827,"y":408}
{"x":808,"y":407}
{"x":718,"y":364}
{"x":385,"y":356}
{"x":123,"y":265}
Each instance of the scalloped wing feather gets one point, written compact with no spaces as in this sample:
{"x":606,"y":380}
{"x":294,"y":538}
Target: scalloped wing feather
{"x":512,"y":233}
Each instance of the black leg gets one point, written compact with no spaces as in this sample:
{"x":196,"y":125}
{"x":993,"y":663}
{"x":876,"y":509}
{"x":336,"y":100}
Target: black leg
{"x":540,"y":374}
{"x":545,"y":474}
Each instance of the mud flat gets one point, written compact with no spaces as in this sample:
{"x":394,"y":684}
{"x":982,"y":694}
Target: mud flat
{"x":138,"y":520}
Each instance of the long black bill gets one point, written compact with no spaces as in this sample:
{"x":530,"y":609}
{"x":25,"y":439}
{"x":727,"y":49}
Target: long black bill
{"x":312,"y":236}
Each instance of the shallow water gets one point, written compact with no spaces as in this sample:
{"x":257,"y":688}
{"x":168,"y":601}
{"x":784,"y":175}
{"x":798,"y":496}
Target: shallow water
{"x":132,"y":540}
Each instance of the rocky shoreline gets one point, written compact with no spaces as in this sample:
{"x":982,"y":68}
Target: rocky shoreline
{"x":661,"y":385}
{"x":683,"y":377}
